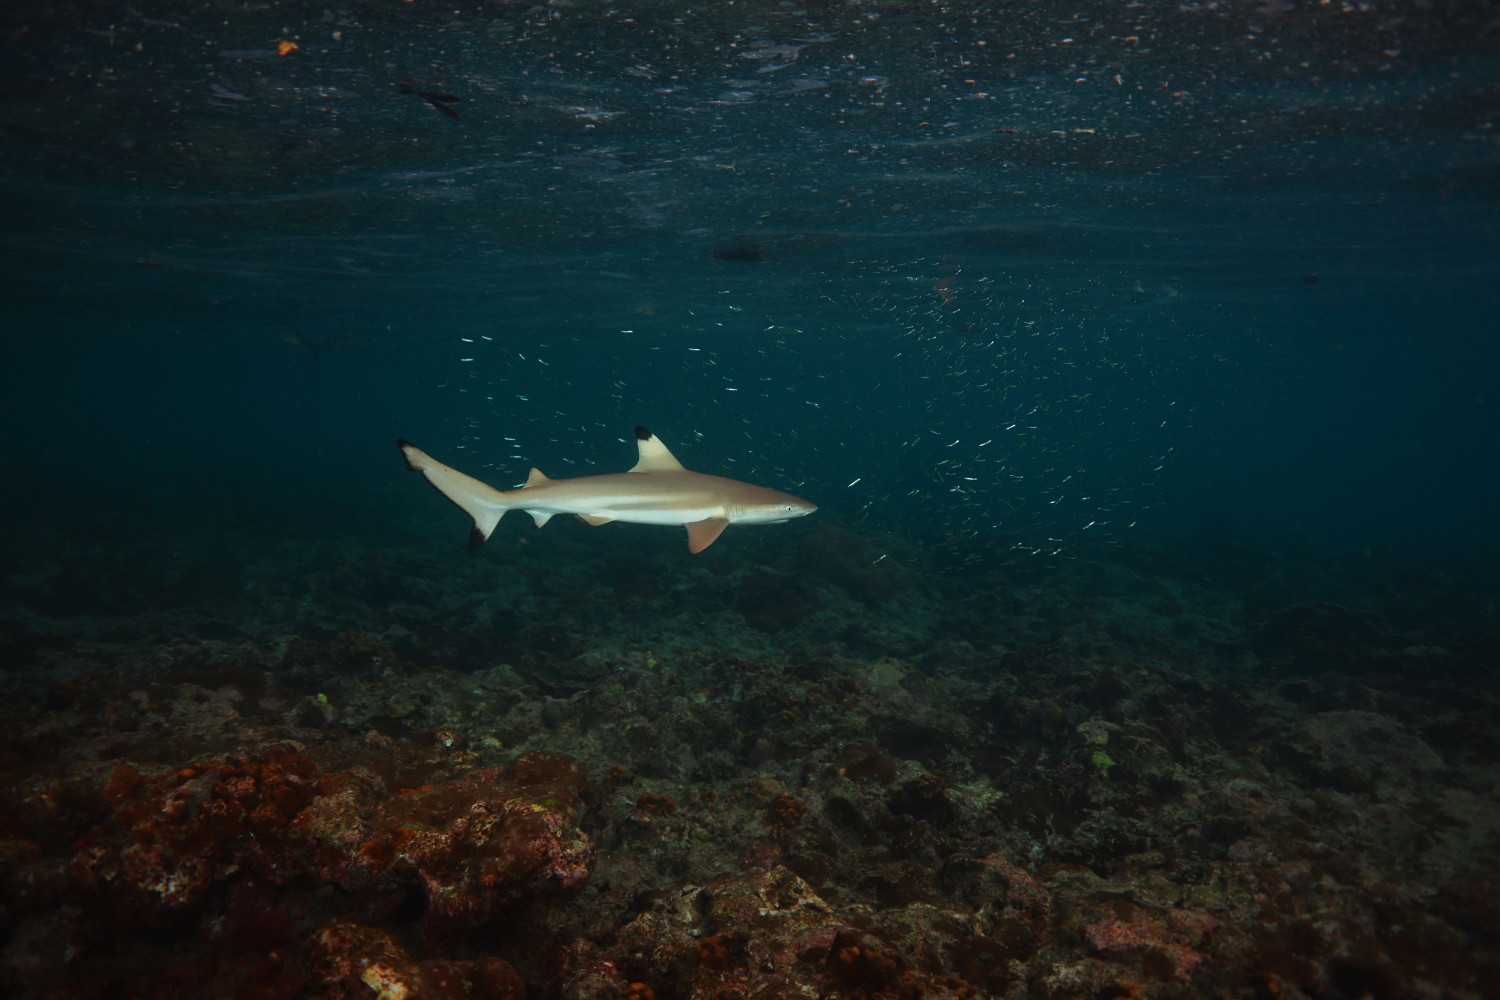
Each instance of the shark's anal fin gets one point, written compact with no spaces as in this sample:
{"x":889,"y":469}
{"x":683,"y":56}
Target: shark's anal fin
{"x":701,"y":534}
{"x":654,"y":455}
{"x":595,"y":519}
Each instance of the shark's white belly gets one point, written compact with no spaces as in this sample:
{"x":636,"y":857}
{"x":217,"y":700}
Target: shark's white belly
{"x":634,"y":513}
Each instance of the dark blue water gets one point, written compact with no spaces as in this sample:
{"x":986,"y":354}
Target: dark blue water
{"x":1116,"y":268}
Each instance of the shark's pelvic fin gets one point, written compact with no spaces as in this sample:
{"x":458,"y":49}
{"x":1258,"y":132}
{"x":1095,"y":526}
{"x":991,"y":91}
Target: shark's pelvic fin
{"x":484,"y":504}
{"x":701,"y":534}
{"x":536,"y":478}
{"x":595,"y":519}
{"x":654,"y":455}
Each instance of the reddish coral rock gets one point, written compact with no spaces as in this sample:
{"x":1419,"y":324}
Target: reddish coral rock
{"x":475,"y":844}
{"x":351,"y":962}
{"x":472,"y":844}
{"x":784,"y":812}
{"x":772,"y":935}
{"x":859,"y":962}
{"x":656,"y":805}
{"x":1164,"y":948}
{"x":170,"y":837}
{"x":1014,"y":896}
{"x":713,"y":952}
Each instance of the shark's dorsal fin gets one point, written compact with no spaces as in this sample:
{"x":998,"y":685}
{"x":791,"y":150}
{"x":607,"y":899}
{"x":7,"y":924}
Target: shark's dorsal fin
{"x":654,"y":455}
{"x":536,"y":478}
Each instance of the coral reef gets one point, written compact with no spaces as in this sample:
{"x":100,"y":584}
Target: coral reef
{"x":612,"y":774}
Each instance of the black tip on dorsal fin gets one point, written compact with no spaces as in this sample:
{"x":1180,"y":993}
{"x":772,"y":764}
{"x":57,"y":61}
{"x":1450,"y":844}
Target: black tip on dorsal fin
{"x":402,"y":443}
{"x":641,"y":434}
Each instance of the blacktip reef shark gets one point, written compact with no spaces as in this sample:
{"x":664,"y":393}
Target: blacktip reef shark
{"x":658,"y":490}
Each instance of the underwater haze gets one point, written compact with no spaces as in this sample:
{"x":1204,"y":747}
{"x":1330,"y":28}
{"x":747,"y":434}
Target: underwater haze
{"x":1140,"y":358}
{"x":1177,"y":264}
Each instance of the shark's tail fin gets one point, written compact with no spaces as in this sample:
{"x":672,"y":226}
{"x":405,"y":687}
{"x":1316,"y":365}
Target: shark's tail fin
{"x":485,"y":504}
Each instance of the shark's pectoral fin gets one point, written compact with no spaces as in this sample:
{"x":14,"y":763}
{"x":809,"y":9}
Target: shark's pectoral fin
{"x":701,"y":534}
{"x":595,"y":519}
{"x":541,"y":517}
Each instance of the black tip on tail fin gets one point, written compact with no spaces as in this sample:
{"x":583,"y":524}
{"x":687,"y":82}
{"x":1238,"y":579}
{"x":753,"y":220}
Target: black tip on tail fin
{"x":641,"y":434}
{"x":404,"y":444}
{"x":476,"y":538}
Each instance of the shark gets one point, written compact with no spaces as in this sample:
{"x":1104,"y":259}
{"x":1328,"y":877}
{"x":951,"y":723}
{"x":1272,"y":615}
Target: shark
{"x":657,"y":490}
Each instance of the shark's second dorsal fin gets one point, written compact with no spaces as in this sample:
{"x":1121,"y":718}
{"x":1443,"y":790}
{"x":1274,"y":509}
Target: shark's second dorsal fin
{"x":536,"y":478}
{"x":654,"y":455}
